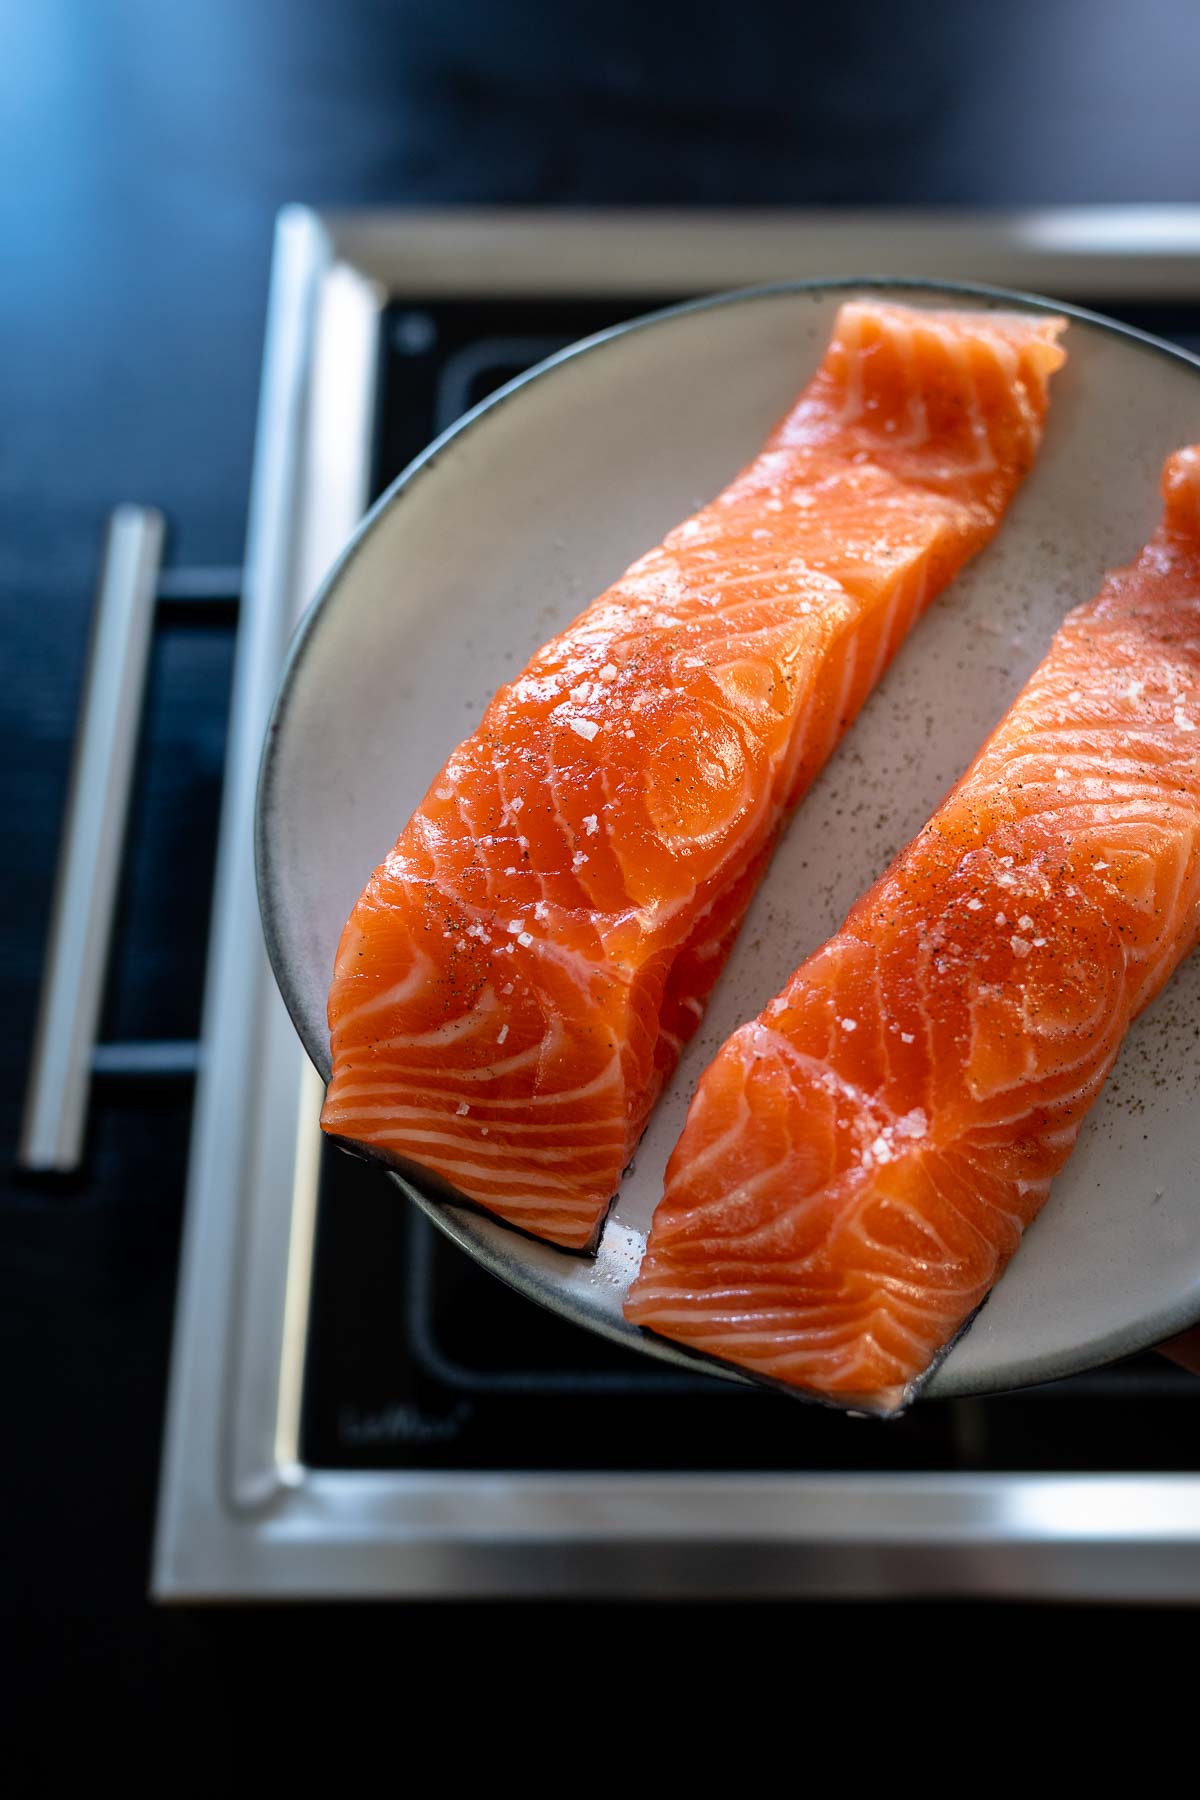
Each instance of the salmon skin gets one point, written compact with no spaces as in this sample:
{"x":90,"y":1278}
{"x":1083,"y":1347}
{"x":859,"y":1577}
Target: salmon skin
{"x":859,"y":1163}
{"x":519,"y":976}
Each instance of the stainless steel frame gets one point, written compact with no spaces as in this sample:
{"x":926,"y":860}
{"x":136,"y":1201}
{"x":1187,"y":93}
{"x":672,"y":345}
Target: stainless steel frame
{"x":239,"y":1514}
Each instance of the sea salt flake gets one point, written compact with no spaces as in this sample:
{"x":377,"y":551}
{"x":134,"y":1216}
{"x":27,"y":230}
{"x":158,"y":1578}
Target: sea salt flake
{"x":483,"y":1131}
{"x":462,"y":1109}
{"x":1025,"y":923}
{"x":914,"y":1124}
{"x":517,"y":804}
{"x":608,"y":672}
{"x":1038,"y":943}
{"x":578,"y":860}
{"x":539,"y":911}
{"x":584,"y":728}
{"x":881,"y":1150}
{"x":507,"y":988}
{"x":974,"y":905}
{"x":511,"y":869}
{"x":1020,"y":946}
{"x":849,"y":1024}
{"x":502,"y":1034}
{"x":1060,"y":774}
{"x":444,"y":793}
{"x":1182,"y":720}
{"x":1002,"y":918}
{"x":906,"y":1037}
{"x":525,"y":939}
{"x":1075,"y":695}
{"x":515,"y":925}
{"x":591,"y":824}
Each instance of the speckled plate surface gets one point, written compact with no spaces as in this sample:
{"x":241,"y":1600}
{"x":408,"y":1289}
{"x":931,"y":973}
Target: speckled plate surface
{"x":533,"y":504}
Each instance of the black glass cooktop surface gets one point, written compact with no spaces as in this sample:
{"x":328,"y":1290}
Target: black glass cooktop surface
{"x":419,"y":1359}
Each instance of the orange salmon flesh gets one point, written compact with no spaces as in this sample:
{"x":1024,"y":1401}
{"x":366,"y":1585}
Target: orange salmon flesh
{"x":859,"y":1162}
{"x":516,"y":982}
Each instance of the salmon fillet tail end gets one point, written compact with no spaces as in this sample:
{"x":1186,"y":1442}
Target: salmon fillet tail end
{"x":519,"y":975}
{"x":861,"y":1160}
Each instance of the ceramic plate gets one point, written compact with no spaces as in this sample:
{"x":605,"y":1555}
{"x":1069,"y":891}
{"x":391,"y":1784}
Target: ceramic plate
{"x":533,"y":504}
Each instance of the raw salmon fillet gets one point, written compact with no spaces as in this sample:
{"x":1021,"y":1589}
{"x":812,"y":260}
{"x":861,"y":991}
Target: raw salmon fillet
{"x":859,"y":1163}
{"x":517,"y":979}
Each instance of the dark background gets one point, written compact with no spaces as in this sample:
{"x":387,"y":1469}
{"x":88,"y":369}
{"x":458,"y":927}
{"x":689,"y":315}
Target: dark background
{"x":145,"y":146}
